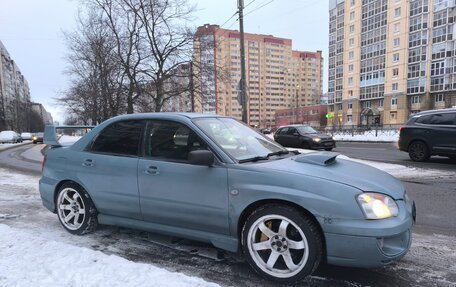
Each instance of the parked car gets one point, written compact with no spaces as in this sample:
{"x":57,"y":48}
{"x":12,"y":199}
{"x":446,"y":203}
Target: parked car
{"x":429,"y":133}
{"x":302,"y":136}
{"x":26,"y":136}
{"x":266,"y":131}
{"x":213,"y":179}
{"x":10,"y":137}
{"x":37,"y":138}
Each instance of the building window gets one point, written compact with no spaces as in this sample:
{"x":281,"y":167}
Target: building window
{"x":351,"y":42}
{"x":416,"y":99}
{"x":397,"y":28}
{"x":439,"y":98}
{"x":380,"y":103}
{"x":350,"y":81}
{"x":350,"y":106}
{"x":396,"y":42}
{"x":351,"y":55}
{"x":349,"y":118}
{"x":396,"y":57}
{"x":350,"y":68}
{"x":339,"y":107}
{"x":395,"y":72}
{"x":352,"y":3}
{"x":352,"y":15}
{"x":350,"y":93}
{"x":394,"y":101}
{"x":394,"y":86}
{"x":397,"y":12}
{"x":366,"y":104}
{"x":393,"y":115}
{"x":352,"y":29}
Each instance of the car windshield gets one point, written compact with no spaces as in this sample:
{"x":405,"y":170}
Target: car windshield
{"x":306,"y":130}
{"x":237,"y":139}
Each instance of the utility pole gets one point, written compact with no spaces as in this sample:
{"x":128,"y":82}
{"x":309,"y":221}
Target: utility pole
{"x":243,"y":74}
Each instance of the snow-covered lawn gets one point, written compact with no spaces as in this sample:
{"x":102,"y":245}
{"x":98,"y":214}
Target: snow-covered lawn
{"x":368,"y":137}
{"x":28,"y":260}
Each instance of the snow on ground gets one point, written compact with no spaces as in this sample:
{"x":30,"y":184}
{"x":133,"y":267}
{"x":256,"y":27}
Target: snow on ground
{"x":7,"y":145}
{"x":368,"y":136}
{"x":29,"y":260}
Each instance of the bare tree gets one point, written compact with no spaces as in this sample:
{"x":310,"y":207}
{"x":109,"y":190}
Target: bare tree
{"x":96,"y":92}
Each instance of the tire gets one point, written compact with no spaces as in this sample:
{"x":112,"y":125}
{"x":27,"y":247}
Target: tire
{"x":418,"y":151}
{"x":263,"y":241}
{"x":72,"y":199}
{"x":329,"y":149}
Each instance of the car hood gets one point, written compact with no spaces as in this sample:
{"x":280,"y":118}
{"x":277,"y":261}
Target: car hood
{"x":325,"y":165}
{"x":319,"y":135}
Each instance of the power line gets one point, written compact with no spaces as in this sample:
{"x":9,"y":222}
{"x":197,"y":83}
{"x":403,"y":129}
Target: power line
{"x":259,"y":7}
{"x":251,"y":2}
{"x":229,"y":19}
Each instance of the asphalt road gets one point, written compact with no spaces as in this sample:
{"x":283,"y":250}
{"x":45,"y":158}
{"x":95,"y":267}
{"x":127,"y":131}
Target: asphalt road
{"x":429,"y":263}
{"x":388,"y":152}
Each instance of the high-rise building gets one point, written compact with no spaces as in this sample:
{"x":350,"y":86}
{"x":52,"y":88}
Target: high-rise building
{"x":389,"y":59}
{"x":277,"y":76}
{"x":14,"y":94}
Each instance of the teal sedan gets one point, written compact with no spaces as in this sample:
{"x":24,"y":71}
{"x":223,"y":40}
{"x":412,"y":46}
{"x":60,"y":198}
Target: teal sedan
{"x":213,"y":179}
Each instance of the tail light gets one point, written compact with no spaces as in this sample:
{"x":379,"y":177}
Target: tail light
{"x":43,"y":163}
{"x":401,"y":129}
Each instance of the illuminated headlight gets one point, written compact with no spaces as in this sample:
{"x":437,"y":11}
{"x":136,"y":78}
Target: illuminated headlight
{"x":317,"y":140}
{"x":377,"y":206}
{"x":34,"y":138}
{"x":334,"y":138}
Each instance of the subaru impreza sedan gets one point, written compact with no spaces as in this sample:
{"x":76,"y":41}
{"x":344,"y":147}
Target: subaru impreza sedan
{"x":213,"y":179}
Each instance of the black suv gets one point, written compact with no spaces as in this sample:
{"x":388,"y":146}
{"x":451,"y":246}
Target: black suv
{"x":302,"y":136}
{"x":429,"y":133}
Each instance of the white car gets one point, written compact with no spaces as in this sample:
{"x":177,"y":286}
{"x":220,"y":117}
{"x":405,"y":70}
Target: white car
{"x":10,"y":137}
{"x":26,"y":136}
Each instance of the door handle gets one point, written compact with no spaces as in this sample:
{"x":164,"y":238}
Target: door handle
{"x":152,"y":170}
{"x":88,"y":162}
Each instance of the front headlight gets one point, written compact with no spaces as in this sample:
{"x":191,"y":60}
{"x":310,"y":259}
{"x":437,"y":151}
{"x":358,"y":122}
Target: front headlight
{"x":317,"y":140}
{"x":377,"y":205}
{"x":333,"y":138}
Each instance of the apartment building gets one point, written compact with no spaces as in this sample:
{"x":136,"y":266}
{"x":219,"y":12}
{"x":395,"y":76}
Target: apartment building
{"x":14,"y":94}
{"x":277,"y":76}
{"x":389,"y":59}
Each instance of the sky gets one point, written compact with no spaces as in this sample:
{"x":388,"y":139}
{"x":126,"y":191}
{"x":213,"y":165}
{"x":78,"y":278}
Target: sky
{"x":32,"y":32}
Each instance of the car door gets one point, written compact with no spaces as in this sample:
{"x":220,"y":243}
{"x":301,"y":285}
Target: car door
{"x":293,"y":136}
{"x":108,"y":169}
{"x":174,"y":192}
{"x":443,"y":132}
{"x":281,"y":136}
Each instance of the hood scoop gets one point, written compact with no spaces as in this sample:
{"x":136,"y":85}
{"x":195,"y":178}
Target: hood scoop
{"x":322,"y":158}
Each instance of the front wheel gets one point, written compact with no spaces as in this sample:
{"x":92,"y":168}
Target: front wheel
{"x":281,"y":243}
{"x":75,"y":209}
{"x":418,"y":151}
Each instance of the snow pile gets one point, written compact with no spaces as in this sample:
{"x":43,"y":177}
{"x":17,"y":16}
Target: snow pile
{"x":28,"y":260}
{"x":369,"y":136}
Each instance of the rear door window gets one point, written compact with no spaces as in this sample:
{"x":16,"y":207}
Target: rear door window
{"x":425,"y":120}
{"x":121,"y":138}
{"x":447,"y":119}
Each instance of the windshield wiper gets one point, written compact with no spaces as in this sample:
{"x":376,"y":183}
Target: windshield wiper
{"x":280,"y":152}
{"x":253,"y":159}
{"x":257,"y":158}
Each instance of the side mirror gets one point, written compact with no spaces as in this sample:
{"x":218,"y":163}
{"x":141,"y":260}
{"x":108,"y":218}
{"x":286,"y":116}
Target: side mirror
{"x":201,"y":157}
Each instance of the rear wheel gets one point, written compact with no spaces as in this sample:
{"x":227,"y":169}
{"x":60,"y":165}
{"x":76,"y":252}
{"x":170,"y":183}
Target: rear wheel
{"x":418,"y":151}
{"x":75,"y":209}
{"x":281,"y":243}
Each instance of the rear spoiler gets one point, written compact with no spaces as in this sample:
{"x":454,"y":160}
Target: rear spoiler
{"x":50,"y":133}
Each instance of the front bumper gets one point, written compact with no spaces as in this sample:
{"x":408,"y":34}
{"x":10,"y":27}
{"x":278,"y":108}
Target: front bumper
{"x":370,"y":243}
{"x":323,"y":144}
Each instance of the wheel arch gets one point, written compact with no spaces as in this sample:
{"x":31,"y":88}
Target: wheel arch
{"x":60,"y":184}
{"x":255,"y":205}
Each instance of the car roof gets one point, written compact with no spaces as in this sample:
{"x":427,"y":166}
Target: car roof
{"x":168,"y":115}
{"x":430,"y":112}
{"x":295,"y":125}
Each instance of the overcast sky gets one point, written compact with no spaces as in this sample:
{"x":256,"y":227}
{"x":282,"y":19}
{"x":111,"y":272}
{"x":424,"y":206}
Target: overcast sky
{"x":31,"y":30}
